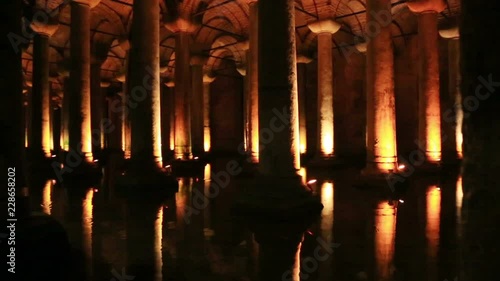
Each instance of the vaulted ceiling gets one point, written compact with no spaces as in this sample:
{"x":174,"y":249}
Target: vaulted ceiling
{"x":222,"y":22}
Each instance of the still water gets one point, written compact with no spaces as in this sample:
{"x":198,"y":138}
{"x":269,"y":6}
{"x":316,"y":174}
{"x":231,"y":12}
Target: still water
{"x":362,"y":233}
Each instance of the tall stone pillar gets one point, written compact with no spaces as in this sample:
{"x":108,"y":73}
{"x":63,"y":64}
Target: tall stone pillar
{"x":65,"y":115}
{"x":301,"y":85}
{"x":165,"y":119}
{"x":171,"y":114}
{"x":80,"y":134}
{"x":380,"y":105}
{"x":429,"y":102}
{"x":197,"y":114}
{"x":96,"y":107}
{"x":40,"y":139}
{"x":183,"y":91}
{"x":453,"y":116}
{"x":480,"y":86}
{"x":143,"y":87}
{"x":252,"y":98}
{"x":207,"y":79}
{"x":325,"y":29}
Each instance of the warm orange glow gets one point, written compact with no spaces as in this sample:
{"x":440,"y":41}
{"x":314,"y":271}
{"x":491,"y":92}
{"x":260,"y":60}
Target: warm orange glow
{"x":47,"y":197}
{"x":433,"y":212}
{"x":433,"y":135}
{"x":86,"y":128}
{"x":206,"y":190}
{"x":206,"y":117}
{"x":327,"y":139}
{"x":158,"y":245}
{"x":207,"y":172}
{"x":303,"y":174}
{"x":459,"y":195}
{"x":87,"y":217}
{"x":302,"y":146}
{"x":458,"y":131}
{"x":385,"y":133}
{"x":156,"y":108}
{"x":254,"y":134}
{"x":327,"y":196}
{"x":385,"y":233}
{"x":296,"y":265}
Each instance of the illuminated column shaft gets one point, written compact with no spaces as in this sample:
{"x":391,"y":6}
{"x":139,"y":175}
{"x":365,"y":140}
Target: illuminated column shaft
{"x":126,"y":138}
{"x":253,"y":84}
{"x":39,"y":141}
{"x":206,"y":111}
{"x":171,"y":113}
{"x":325,"y":29}
{"x":429,"y":103}
{"x":65,"y":115}
{"x":143,"y":90}
{"x":279,"y":155}
{"x":455,"y":117}
{"x":79,"y":109}
{"x":182,"y":97}
{"x":165,"y":121}
{"x":96,"y":106}
{"x":197,"y":114}
{"x":301,"y":85}
{"x":381,"y":112}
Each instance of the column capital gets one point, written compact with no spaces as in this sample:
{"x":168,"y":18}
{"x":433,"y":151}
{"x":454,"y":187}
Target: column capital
{"x":301,"y":58}
{"x":90,"y":3}
{"x":47,"y":27}
{"x":250,"y":2}
{"x":121,"y":42}
{"x":242,"y":69}
{"x":181,"y":25}
{"x":207,"y":78}
{"x":426,"y":6}
{"x":450,"y":33}
{"x":169,"y":84}
{"x":105,"y":84}
{"x":324,"y":26}
{"x":361,"y":47}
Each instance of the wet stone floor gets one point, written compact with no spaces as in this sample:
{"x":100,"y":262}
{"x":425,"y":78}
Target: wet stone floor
{"x":362,"y":233}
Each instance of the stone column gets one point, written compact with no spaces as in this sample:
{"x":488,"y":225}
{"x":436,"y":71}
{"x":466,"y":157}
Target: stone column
{"x":278,"y":104}
{"x":182,"y":97}
{"x":325,"y":29}
{"x":301,"y":85}
{"x":80,"y":134}
{"x":252,"y":98}
{"x":207,"y":79}
{"x":143,"y":89}
{"x":96,"y":106}
{"x":380,"y":105}
{"x":197,"y":114}
{"x":429,"y":102}
{"x":171,"y":114}
{"x":453,"y":116}
{"x":65,"y":115}
{"x":480,"y":75}
{"x":165,"y":119}
{"x":40,"y":139}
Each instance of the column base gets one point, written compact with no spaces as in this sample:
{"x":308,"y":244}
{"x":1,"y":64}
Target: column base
{"x":428,"y":168}
{"x":187,"y":168}
{"x":86,"y":173}
{"x":277,"y":198}
{"x":325,"y":162}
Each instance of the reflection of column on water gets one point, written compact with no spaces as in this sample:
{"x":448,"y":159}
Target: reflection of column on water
{"x":327,"y":199}
{"x":47,"y":197}
{"x":385,"y":233}
{"x":432,"y":229}
{"x":87,"y":217}
{"x":158,"y":245}
{"x":207,"y":224}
